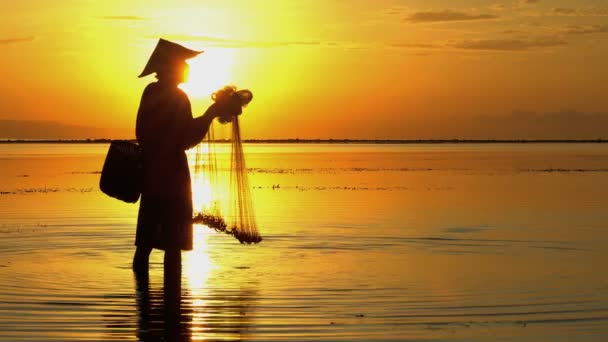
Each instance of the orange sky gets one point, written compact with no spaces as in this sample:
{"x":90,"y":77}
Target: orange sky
{"x":321,"y":69}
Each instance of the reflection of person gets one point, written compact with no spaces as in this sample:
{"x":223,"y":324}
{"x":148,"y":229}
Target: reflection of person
{"x":170,"y":312}
{"x":161,"y":316}
{"x":165,"y":129}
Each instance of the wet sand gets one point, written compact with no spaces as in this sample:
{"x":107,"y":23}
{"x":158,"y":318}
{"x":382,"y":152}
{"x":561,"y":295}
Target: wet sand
{"x":492,"y":242}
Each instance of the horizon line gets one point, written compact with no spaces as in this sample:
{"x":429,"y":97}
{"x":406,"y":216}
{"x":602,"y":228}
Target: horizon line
{"x":322,"y":141}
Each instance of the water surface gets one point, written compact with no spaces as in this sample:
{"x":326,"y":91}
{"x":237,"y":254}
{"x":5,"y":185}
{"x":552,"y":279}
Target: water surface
{"x":489,"y":242}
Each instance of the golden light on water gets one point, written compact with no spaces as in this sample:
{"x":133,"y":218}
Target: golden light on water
{"x":197,"y":263}
{"x":209,"y":72}
{"x":201,"y":193}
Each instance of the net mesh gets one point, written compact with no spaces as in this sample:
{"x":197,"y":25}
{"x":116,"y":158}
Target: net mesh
{"x":240,"y":218}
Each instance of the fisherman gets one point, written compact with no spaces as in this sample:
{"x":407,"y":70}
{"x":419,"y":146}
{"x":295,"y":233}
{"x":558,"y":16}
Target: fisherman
{"x":165,"y":129}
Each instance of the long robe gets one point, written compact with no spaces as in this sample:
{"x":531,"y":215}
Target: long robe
{"x":165,"y":129}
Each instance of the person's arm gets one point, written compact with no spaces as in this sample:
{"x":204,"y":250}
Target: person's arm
{"x":199,"y":127}
{"x":195,"y":129}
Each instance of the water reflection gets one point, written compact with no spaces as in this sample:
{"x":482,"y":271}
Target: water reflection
{"x":208,"y":306}
{"x":197,"y":263}
{"x":160,"y":313}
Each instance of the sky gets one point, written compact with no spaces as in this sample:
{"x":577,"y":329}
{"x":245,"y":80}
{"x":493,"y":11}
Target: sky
{"x":359,"y":69}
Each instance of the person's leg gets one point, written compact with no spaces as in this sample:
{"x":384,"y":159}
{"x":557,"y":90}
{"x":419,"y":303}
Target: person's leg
{"x":173,"y":262}
{"x":173,"y":268}
{"x":141,"y":258}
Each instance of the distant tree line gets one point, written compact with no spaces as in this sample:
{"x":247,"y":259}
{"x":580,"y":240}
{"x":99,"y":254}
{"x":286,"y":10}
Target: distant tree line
{"x":332,"y":141}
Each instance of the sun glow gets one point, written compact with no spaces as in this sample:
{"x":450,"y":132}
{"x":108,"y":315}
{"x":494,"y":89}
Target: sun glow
{"x":209,"y":72}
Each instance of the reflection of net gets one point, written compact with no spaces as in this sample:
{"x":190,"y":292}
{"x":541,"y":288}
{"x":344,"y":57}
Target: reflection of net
{"x":240,"y":220}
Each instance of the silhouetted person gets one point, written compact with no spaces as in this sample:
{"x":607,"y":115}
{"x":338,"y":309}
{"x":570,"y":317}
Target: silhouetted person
{"x":165,"y":129}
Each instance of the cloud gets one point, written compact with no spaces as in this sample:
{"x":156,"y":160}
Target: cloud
{"x":121,"y":17}
{"x":498,"y":7}
{"x":515,"y":5}
{"x":577,"y":29}
{"x":508,"y":44}
{"x":413,"y":45}
{"x":498,"y":44}
{"x":582,"y":12}
{"x":235,"y":43}
{"x":446,"y":16}
{"x":564,"y":11}
{"x":7,"y":41}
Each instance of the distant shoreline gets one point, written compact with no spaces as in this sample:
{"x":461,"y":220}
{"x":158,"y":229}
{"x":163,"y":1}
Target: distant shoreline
{"x":337,"y":141}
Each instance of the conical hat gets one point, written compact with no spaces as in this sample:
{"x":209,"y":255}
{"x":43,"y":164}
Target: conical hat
{"x":165,"y":54}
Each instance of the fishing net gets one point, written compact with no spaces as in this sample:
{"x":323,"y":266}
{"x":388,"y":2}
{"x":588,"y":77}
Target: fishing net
{"x":240,"y":219}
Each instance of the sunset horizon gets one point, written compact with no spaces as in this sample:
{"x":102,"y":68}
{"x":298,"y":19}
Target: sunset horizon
{"x":526,"y":126}
{"x":394,"y":70}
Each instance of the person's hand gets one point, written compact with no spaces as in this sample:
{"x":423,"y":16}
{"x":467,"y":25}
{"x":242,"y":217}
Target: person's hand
{"x":227,"y":108}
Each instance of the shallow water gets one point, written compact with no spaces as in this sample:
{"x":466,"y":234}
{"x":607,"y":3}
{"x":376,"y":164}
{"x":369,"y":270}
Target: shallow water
{"x":361,"y":242}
